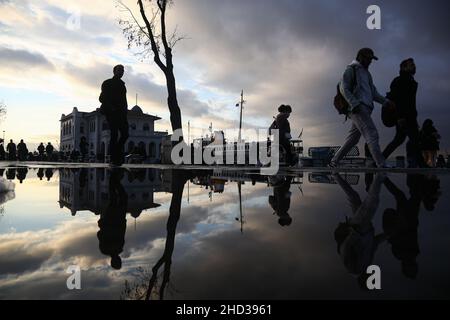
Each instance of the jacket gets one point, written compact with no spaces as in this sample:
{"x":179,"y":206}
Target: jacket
{"x":113,"y":97}
{"x":403,"y":94}
{"x":353,"y":92}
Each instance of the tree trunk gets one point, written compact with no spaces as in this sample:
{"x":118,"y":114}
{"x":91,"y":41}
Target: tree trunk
{"x":172,"y":101}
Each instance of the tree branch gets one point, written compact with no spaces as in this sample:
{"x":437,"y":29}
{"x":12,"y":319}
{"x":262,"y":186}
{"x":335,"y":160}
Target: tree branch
{"x":154,"y":46}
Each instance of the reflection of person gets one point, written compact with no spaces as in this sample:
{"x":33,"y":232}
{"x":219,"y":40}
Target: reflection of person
{"x":400,"y":226}
{"x":40,"y":173}
{"x":21,"y":174}
{"x":280,"y":201}
{"x":113,"y":223}
{"x":356,"y":237}
{"x":48,"y":173}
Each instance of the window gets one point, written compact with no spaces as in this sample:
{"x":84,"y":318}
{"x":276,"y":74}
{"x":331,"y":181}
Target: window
{"x":133,"y":126}
{"x":105,"y":126}
{"x":146,"y":127}
{"x":82,"y":129}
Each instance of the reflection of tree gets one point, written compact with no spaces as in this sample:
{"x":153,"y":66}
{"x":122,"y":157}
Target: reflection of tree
{"x":147,"y":285}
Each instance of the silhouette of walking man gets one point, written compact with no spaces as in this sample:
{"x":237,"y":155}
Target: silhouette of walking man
{"x":115,"y":107}
{"x":359,"y":91}
{"x":403,"y":94}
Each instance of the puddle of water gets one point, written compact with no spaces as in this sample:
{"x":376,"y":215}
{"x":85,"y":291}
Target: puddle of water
{"x":214,"y":235}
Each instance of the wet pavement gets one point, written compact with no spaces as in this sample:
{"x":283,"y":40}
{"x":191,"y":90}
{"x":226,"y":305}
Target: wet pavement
{"x":155,"y":232}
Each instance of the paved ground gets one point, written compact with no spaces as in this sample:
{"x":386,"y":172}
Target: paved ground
{"x":250,"y":169}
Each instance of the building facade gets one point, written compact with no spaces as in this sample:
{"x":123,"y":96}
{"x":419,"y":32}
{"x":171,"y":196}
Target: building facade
{"x":94,"y":127}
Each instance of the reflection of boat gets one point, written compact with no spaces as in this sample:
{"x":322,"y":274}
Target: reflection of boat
{"x":327,"y":178}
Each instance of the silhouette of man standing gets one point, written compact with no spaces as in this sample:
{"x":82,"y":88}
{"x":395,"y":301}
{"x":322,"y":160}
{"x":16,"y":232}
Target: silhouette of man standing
{"x":115,"y":107}
{"x":49,"y":149}
{"x":2,"y":150}
{"x":22,"y":150}
{"x":41,"y":150}
{"x":11,"y":148}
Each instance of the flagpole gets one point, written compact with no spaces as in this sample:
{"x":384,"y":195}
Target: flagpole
{"x":240,"y":117}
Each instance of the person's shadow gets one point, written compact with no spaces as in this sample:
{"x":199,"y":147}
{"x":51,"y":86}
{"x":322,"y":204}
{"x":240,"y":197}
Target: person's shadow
{"x":112,"y":224}
{"x":356,"y":239}
{"x":280,"y":201}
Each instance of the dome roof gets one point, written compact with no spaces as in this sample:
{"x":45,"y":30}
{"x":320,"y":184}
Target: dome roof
{"x":137,"y":109}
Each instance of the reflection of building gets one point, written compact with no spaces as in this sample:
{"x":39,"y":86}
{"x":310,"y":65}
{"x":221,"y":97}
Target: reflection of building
{"x":94,"y":127}
{"x":88,"y":189}
{"x":217,"y":179}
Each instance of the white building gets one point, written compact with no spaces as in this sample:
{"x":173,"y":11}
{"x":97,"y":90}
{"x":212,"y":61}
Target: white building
{"x":94,"y":127}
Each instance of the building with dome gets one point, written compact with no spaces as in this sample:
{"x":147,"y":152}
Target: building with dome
{"x":94,"y":127}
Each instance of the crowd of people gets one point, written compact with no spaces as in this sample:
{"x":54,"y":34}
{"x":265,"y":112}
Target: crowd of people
{"x":20,"y":152}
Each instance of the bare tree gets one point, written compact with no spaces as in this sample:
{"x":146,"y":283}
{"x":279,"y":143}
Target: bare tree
{"x":149,"y":33}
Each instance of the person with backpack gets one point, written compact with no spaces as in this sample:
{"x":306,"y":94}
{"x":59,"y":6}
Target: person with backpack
{"x":355,"y":99}
{"x":403,"y":92}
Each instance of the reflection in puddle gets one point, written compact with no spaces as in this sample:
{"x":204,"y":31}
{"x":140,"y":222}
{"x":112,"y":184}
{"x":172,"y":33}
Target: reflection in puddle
{"x":179,"y":234}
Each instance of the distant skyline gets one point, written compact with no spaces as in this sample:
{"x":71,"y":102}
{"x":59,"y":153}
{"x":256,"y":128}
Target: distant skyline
{"x":285,"y":51}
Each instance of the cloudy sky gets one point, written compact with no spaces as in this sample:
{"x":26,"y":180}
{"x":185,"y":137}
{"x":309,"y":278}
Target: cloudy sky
{"x":284,"y":51}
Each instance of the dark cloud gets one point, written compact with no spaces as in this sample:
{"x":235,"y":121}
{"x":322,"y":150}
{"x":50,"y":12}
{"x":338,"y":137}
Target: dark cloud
{"x":23,"y":59}
{"x":295,"y":51}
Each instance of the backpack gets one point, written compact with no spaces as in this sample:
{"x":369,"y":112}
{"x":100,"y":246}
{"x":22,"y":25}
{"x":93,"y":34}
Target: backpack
{"x":340,"y":104}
